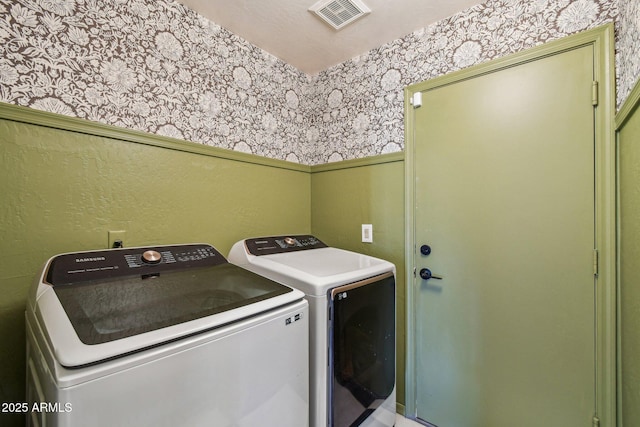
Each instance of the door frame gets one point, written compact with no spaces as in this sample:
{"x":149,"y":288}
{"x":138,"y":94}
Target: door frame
{"x":602,"y":41}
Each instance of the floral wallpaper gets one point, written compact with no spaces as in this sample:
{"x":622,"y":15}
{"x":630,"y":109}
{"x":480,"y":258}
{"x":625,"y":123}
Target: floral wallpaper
{"x":628,"y":48}
{"x":158,"y":67}
{"x":154,"y":66}
{"x":359,"y":105}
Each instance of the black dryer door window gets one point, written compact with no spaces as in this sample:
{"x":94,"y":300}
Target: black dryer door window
{"x":362,"y":348}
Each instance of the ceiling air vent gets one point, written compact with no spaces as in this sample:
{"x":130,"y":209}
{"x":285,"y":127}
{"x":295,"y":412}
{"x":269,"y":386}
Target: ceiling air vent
{"x":339,"y":13}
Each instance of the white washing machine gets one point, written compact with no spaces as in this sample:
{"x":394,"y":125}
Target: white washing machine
{"x":352,"y":324}
{"x":164,"y":336}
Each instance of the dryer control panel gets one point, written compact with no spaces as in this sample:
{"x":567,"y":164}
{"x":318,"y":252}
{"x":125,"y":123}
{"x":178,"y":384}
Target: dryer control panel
{"x":281,"y":244}
{"x":111,"y":263}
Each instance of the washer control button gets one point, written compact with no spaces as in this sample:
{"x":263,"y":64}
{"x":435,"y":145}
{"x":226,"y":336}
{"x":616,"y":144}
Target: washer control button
{"x":290,"y":241}
{"x":151,"y":257}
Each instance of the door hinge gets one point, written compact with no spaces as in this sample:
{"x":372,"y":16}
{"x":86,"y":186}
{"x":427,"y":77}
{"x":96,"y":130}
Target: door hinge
{"x":594,"y":93}
{"x":596,"y":422}
{"x":595,"y":262}
{"x":416,"y":100}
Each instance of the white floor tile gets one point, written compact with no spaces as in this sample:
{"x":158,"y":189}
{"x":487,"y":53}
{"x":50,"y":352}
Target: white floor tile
{"x":404,"y":422}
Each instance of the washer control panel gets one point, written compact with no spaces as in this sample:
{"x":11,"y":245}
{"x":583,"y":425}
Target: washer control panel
{"x":281,"y":244}
{"x":113,"y":263}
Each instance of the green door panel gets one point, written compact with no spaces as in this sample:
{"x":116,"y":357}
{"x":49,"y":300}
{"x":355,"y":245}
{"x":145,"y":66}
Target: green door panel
{"x":504,"y":195}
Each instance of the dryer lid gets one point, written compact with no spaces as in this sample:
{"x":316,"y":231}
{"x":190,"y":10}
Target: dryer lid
{"x":313,"y":271}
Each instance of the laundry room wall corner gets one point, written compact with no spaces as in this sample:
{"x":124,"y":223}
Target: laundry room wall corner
{"x":345,"y":195}
{"x":628,"y":138}
{"x":65,"y":182}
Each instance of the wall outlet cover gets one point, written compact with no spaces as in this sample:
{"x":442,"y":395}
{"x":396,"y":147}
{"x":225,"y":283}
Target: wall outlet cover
{"x":116,"y":236}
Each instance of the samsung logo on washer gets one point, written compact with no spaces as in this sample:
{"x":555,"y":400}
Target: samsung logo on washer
{"x":97,"y":258}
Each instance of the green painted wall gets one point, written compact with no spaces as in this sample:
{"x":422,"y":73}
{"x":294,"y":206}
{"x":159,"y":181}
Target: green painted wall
{"x":629,"y":241}
{"x":63,"y":191}
{"x":65,"y":182}
{"x":369,"y":191}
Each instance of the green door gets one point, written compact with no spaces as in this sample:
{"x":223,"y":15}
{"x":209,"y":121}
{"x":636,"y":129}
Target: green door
{"x":504,"y":198}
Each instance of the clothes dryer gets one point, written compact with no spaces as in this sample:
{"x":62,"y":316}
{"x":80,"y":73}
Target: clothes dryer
{"x":352,"y":324}
{"x":164,"y":336}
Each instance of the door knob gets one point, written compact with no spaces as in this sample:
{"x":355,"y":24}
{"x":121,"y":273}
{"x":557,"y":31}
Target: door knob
{"x":426,"y":274}
{"x":425,"y":250}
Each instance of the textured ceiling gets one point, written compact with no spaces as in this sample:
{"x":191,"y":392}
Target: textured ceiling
{"x":287,"y":30}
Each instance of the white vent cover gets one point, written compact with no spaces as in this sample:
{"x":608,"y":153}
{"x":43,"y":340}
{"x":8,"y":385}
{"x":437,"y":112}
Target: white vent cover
{"x":339,"y":13}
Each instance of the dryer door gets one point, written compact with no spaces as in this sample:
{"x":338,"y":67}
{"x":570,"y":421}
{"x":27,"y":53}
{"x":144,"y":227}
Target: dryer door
{"x":362,"y":348}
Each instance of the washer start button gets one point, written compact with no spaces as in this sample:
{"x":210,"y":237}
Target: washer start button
{"x":151,"y":257}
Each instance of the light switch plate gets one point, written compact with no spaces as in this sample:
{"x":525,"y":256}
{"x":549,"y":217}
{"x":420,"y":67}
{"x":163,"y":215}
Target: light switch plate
{"x":367,"y":233}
